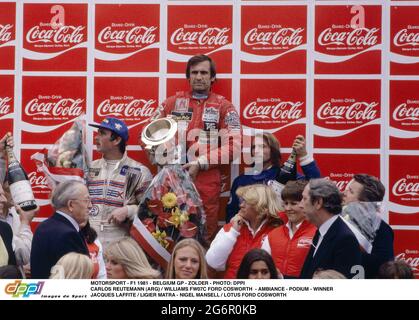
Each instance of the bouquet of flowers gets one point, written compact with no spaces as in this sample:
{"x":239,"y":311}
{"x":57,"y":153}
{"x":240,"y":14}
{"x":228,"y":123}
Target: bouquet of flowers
{"x":67,"y":159}
{"x":170,"y":210}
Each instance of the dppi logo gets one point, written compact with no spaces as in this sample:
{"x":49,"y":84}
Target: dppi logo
{"x":403,"y":38}
{"x":355,"y":111}
{"x":4,"y":105}
{"x":402,"y":112}
{"x":17,"y":289}
{"x":5,"y":35}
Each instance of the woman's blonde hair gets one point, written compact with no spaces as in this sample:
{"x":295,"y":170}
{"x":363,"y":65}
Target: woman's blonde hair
{"x":73,"y":266}
{"x":328,"y":274}
{"x":263,"y":199}
{"x":203,"y":270}
{"x":131,"y":257}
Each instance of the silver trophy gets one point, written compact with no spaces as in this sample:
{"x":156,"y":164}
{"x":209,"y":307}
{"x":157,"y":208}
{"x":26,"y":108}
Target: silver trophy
{"x":159,"y":136}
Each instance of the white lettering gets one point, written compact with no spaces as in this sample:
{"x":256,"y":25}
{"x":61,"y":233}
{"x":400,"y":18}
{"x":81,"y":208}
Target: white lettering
{"x":356,"y":111}
{"x":210,"y":36}
{"x":136,"y":35}
{"x":135,"y":108}
{"x":65,"y":34}
{"x":356,"y":37}
{"x":64,"y":107}
{"x":284,"y":37}
{"x":403,"y":38}
{"x":282,"y":110}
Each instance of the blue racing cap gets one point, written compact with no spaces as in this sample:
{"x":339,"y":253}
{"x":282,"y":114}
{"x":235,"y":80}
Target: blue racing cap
{"x":115,"y":125}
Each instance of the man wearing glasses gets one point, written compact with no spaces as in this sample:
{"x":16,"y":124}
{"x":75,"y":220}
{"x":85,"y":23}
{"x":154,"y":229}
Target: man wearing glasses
{"x":60,"y":234}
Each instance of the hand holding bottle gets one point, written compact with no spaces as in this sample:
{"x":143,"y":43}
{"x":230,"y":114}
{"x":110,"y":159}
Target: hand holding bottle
{"x":299,"y":146}
{"x":7,"y":140}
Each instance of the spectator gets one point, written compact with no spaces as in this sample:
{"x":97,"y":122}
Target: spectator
{"x":290,"y":243}
{"x":59,"y":234}
{"x":126,"y":260}
{"x":256,"y":218}
{"x":257,"y":264}
{"x":73,"y":266}
{"x":334,"y":245}
{"x":328,"y":274}
{"x":271,"y":167}
{"x":367,"y":188}
{"x":187,"y":261}
{"x":395,"y":270}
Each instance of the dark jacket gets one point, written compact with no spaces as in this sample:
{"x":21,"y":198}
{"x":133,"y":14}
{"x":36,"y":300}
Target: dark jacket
{"x":6,"y":235}
{"x":339,"y":250}
{"x":382,"y":251}
{"x":54,"y":238}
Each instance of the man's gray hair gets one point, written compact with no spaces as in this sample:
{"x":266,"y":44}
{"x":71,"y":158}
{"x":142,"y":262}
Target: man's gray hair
{"x":64,"y":192}
{"x":328,"y":192}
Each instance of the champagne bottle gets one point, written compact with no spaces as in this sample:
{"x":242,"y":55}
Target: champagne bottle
{"x":20,"y":187}
{"x":289,"y":170}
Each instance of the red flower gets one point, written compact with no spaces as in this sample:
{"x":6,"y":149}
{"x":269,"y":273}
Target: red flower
{"x":188,"y":229}
{"x":162,"y":219}
{"x":149,"y":224}
{"x":155,"y":206}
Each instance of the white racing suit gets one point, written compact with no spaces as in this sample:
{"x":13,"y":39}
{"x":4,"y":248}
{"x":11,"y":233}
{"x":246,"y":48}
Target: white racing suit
{"x":106,"y":191}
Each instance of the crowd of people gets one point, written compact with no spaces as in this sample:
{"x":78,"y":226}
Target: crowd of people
{"x":304,"y":231}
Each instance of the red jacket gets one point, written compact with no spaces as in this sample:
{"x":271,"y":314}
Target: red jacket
{"x":229,"y":247}
{"x":289,"y":254}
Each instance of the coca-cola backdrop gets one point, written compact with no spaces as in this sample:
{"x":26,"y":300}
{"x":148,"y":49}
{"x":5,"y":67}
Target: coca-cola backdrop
{"x":343,"y":73}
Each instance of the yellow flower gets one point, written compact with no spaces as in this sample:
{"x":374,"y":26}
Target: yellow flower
{"x":175,"y":217}
{"x":169,"y":200}
{"x":178,"y":218}
{"x":160,"y":236}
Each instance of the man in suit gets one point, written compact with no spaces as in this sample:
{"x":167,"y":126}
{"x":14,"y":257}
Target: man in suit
{"x":334,"y":245}
{"x":59,"y":234}
{"x":366,"y":188}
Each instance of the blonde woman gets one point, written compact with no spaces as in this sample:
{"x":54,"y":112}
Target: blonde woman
{"x":126,"y":260}
{"x":258,"y":215}
{"x":187,"y":261}
{"x":73,"y":266}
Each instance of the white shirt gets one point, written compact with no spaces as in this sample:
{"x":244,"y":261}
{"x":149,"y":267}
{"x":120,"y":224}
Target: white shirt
{"x":71,"y":219}
{"x":323,"y":230}
{"x":290,"y":232}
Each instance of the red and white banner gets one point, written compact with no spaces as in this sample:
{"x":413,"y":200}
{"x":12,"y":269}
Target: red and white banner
{"x":7,"y":98}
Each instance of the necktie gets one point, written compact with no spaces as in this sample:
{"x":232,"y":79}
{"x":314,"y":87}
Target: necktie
{"x":315,"y":240}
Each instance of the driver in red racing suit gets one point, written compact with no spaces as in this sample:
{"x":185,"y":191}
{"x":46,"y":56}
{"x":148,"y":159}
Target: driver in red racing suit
{"x":214,"y":118}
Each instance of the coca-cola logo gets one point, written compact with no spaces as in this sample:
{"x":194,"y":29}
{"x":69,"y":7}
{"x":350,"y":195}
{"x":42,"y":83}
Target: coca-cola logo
{"x":37,"y":182}
{"x":281,"y":37}
{"x":4,"y":105}
{"x":63,"y":107}
{"x":355,"y":111}
{"x":136,"y":35}
{"x":402,"y":112}
{"x":65,"y":34}
{"x":134,"y":108}
{"x":209,"y":36}
{"x":413,"y":262}
{"x":403,"y":187}
{"x":5,"y":34}
{"x":280,"y":110}
{"x":405,"y":38}
{"x":356,"y":37}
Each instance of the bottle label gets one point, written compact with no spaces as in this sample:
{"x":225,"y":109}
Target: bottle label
{"x":21,"y":191}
